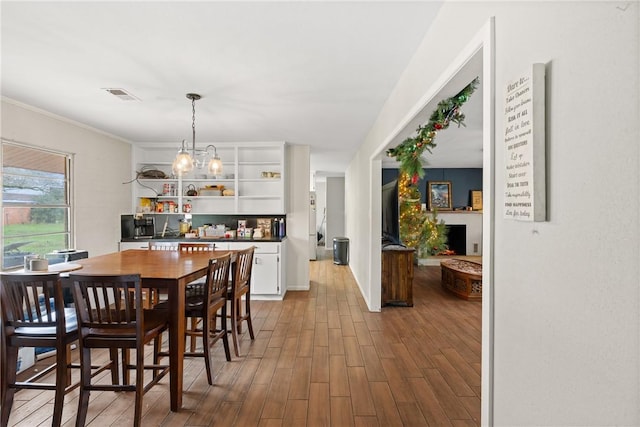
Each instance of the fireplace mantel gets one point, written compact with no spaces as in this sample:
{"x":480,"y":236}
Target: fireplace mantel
{"x":473,"y":221}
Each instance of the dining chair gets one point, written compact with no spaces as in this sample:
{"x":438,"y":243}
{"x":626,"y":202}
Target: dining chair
{"x":111,"y":316}
{"x":206,"y":303}
{"x":33,"y":315}
{"x":196,"y":247}
{"x":163,"y":246}
{"x":197,"y":285}
{"x":241,"y":286}
{"x":152,"y":295}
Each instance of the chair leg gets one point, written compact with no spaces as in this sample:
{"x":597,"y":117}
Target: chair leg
{"x":225,"y":335}
{"x":139,"y":385}
{"x":247,"y":313}
{"x":62,"y":380}
{"x":206,"y":335}
{"x":115,"y":376}
{"x":85,"y":382}
{"x":238,"y":301}
{"x":68,"y":361}
{"x":234,"y":326}
{"x":160,"y":342}
{"x":126,"y":362}
{"x":187,"y":332}
{"x":156,"y":300}
{"x":9,"y":367}
{"x":194,"y":327}
{"x":157,"y":348}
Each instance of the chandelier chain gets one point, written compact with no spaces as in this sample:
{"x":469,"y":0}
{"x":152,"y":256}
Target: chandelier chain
{"x":193,"y":120}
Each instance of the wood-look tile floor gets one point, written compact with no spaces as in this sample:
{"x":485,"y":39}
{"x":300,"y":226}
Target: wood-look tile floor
{"x":319,"y":358}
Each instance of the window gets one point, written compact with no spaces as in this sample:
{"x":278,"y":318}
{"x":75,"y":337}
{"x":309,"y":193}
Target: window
{"x":36,"y":208}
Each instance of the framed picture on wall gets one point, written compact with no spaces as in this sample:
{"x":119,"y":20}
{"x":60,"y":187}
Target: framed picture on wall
{"x":476,"y":200}
{"x":439,"y":195}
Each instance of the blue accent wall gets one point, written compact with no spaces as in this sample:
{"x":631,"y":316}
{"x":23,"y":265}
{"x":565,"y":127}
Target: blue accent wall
{"x":462,"y":180}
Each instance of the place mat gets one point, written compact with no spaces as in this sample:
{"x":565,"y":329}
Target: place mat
{"x":62,"y":267}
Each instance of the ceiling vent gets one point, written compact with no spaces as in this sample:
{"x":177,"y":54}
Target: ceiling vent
{"x":121,"y":94}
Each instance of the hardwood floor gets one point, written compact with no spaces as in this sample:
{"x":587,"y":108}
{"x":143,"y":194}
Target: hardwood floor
{"x":319,"y":358}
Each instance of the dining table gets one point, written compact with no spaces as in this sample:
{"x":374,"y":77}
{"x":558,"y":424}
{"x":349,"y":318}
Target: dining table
{"x":169,"y":271}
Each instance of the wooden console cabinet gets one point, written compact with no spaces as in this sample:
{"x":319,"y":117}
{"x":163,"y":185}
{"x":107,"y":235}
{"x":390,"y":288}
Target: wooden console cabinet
{"x":397,"y":277}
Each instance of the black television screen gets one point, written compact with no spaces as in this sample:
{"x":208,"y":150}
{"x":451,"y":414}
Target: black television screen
{"x":390,"y":214}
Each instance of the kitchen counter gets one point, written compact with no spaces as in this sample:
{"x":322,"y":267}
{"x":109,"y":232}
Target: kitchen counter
{"x":203,"y":240}
{"x":268,"y":276}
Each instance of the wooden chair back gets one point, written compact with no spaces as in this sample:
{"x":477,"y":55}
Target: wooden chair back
{"x":241,"y":285}
{"x":215,"y":287}
{"x":31,"y":301}
{"x":196,"y":247}
{"x":163,"y":246}
{"x":109,"y":309}
{"x":242,"y":272}
{"x":153,"y":294}
{"x":203,"y":304}
{"x":33,"y":315}
{"x":111,"y":315}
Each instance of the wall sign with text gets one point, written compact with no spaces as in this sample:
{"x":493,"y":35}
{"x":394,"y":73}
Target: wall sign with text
{"x":524,"y":140}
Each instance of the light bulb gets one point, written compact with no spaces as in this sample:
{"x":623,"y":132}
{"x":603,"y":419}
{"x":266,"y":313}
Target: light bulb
{"x":215,"y":165}
{"x":183,"y":162}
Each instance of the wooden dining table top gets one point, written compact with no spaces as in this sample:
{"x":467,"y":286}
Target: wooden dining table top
{"x":149,"y":264}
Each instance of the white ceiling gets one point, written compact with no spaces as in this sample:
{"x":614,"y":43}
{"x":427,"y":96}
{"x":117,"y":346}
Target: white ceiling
{"x":315,"y":73}
{"x":456,"y":146}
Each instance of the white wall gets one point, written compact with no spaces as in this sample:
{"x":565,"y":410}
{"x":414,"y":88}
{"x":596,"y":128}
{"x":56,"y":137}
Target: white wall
{"x":335,"y":196}
{"x":101,"y":164}
{"x":298,"y":218}
{"x":566,"y":294}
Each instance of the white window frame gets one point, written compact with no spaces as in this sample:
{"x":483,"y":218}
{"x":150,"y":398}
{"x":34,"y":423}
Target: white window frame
{"x":70,"y":205}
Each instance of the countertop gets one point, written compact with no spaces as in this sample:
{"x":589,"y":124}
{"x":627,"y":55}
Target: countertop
{"x":205,"y":239}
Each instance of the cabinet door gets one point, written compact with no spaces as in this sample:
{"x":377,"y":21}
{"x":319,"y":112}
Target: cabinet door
{"x":397,"y":277}
{"x":133,"y":245}
{"x":265,"y":274}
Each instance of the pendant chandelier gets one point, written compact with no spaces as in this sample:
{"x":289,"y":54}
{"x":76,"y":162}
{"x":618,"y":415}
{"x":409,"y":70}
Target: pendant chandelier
{"x":185,"y":161}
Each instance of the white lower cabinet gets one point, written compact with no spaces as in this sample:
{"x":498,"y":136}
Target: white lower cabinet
{"x":267,"y":272}
{"x":123,"y":246}
{"x":267,"y":278}
{"x":265,"y":269}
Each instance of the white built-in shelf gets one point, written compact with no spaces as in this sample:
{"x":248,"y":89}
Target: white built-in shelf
{"x":245,"y":162}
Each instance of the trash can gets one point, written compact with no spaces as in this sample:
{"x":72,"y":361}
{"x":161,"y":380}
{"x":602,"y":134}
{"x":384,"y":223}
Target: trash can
{"x":341,"y":250}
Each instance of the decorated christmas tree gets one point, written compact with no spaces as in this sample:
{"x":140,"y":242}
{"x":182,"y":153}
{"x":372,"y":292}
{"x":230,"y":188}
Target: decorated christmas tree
{"x":435,"y":241}
{"x":411,"y":215}
{"x":418,"y":229}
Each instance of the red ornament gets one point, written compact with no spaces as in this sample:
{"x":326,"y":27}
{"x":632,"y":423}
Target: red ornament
{"x":437,"y":126}
{"x":414,"y":179}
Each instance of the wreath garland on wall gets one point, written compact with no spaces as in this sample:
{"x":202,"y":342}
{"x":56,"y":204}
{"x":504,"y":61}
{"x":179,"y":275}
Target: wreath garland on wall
{"x":409,"y":152}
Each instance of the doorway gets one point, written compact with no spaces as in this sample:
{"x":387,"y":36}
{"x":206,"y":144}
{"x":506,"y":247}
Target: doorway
{"x":481,"y":47}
